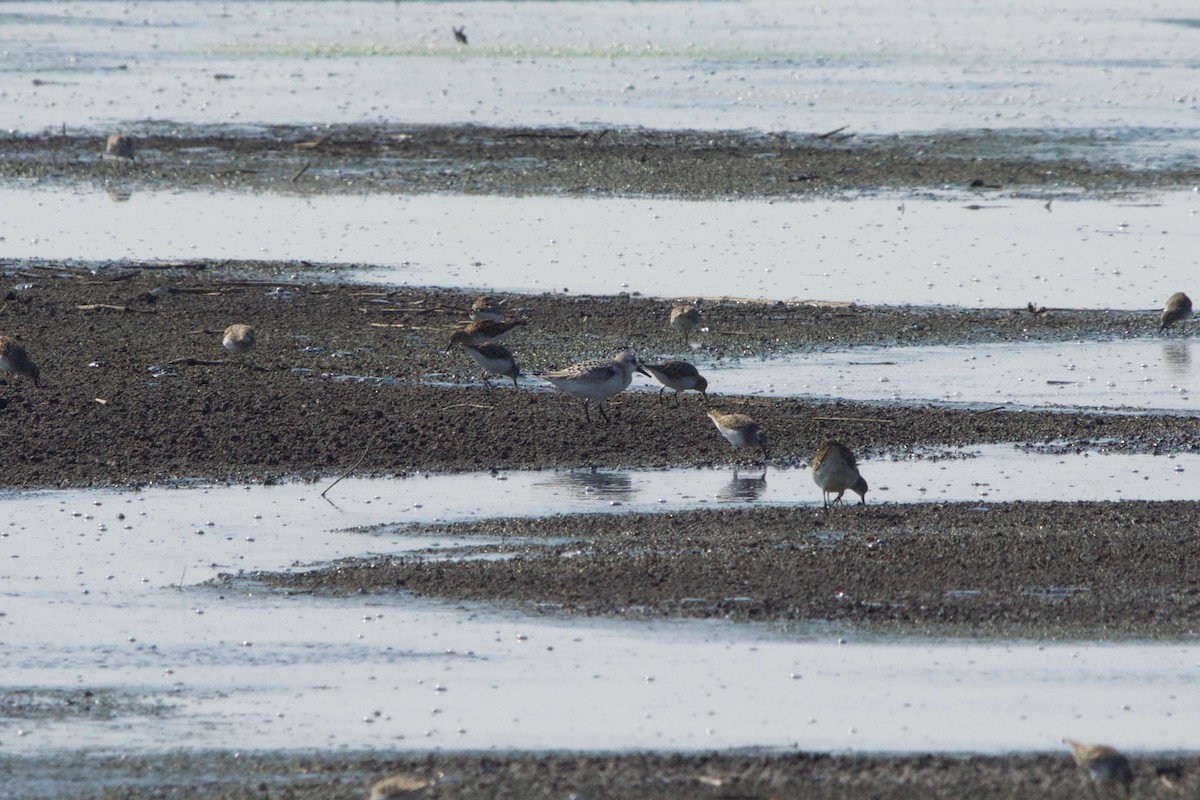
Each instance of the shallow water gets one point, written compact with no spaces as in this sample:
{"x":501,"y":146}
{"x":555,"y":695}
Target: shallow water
{"x":241,"y":668}
{"x":881,"y":250}
{"x":762,"y":64}
{"x":1132,"y":374}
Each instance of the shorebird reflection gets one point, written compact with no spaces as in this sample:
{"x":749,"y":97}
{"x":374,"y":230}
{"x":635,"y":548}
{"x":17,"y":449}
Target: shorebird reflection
{"x":744,"y":487}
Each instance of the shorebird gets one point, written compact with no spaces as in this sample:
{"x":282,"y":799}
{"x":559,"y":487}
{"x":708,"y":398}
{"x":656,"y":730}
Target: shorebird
{"x":460,"y":34}
{"x":397,"y":787}
{"x":14,"y":359}
{"x":119,"y":146}
{"x":835,"y":470}
{"x":239,"y":339}
{"x":1177,"y":309}
{"x":487,"y":307}
{"x":740,"y":430}
{"x":495,"y":360}
{"x":596,"y":380}
{"x":480,"y":331}
{"x":684,"y":318}
{"x":680,"y":376}
{"x":1105,"y":765}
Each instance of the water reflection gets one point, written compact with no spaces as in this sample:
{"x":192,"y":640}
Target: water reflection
{"x":743,"y":487}
{"x":1177,"y":355}
{"x":594,"y":483}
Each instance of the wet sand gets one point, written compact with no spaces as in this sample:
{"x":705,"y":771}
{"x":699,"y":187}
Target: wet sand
{"x":137,"y":389}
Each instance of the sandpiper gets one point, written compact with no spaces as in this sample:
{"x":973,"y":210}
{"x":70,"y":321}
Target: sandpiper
{"x":480,"y":331}
{"x":487,"y":307}
{"x":239,"y":339}
{"x":1177,"y":309}
{"x":397,"y":787}
{"x":119,"y":146}
{"x":684,"y":318}
{"x":1105,"y":765}
{"x":14,"y":359}
{"x":596,"y":380}
{"x":740,"y":430}
{"x":680,"y":376}
{"x":835,"y":470}
{"x":495,"y":360}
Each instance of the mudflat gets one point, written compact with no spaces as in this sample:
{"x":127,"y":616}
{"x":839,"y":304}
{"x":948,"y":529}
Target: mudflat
{"x":136,"y":388}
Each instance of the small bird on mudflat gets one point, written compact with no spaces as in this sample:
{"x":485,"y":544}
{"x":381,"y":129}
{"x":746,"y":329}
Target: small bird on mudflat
{"x":119,"y":146}
{"x":460,"y":34}
{"x":480,"y":331}
{"x":684,"y":319}
{"x":835,"y":470}
{"x":1105,"y":765}
{"x":680,"y":376}
{"x":495,"y":360}
{"x":487,"y":307}
{"x":1177,"y":309}
{"x":740,"y":430}
{"x":596,"y":380}
{"x":14,"y":359}
{"x":239,"y":339}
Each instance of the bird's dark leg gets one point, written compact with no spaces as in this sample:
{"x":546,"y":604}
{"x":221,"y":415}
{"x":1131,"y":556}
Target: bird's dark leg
{"x":603,"y":413}
{"x":660,"y":394}
{"x":586,"y":414}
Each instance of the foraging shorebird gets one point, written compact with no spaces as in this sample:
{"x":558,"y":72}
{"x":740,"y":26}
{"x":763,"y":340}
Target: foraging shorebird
{"x":119,"y":146}
{"x":495,"y":360}
{"x":1105,"y":765}
{"x":835,"y":470}
{"x":596,"y":380}
{"x":680,"y":376}
{"x":684,"y":318}
{"x":487,"y":307}
{"x":1177,"y":309}
{"x":14,"y":359}
{"x":480,"y":331}
{"x":239,"y":339}
{"x":740,"y":430}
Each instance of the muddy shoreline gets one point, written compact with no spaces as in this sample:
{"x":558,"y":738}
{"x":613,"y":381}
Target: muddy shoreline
{"x":603,"y":162}
{"x":138,"y":390}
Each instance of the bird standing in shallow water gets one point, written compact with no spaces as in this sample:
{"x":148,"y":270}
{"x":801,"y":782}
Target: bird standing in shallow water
{"x":1105,"y":765}
{"x":835,"y":470}
{"x":1177,"y":309}
{"x":14,"y":359}
{"x":495,"y":360}
{"x":596,"y":380}
{"x":680,"y":376}
{"x":740,"y":430}
{"x":484,"y":330}
{"x":684,"y":319}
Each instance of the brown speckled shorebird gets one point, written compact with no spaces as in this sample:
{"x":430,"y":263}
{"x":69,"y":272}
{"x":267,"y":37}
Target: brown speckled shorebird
{"x":596,"y":380}
{"x":480,"y":331}
{"x":239,"y":339}
{"x":487,"y":307}
{"x":495,"y":360}
{"x":835,"y":470}
{"x":740,"y":430}
{"x":1177,"y":309}
{"x":1105,"y":765}
{"x":119,"y":146}
{"x":684,"y":319}
{"x":680,"y":376}
{"x":14,"y":359}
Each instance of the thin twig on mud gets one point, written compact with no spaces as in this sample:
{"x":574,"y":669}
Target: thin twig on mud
{"x":345,"y":474}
